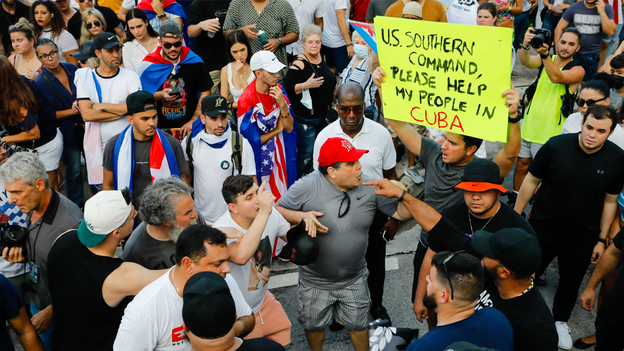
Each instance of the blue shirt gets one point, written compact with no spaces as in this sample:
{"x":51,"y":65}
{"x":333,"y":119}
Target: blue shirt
{"x":50,"y":103}
{"x":487,"y":327}
{"x":10,"y":304}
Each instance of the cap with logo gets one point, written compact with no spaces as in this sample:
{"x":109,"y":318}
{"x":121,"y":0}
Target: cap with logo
{"x":105,"y":40}
{"x":338,"y":150}
{"x":104,"y":212}
{"x":213,"y":105}
{"x":86,"y":51}
{"x":413,"y":8}
{"x":170,"y":29}
{"x":301,"y":249}
{"x":209,"y":311}
{"x":265,"y":60}
{"x":481,"y":175}
{"x":515,"y":248}
{"x":137,"y":101}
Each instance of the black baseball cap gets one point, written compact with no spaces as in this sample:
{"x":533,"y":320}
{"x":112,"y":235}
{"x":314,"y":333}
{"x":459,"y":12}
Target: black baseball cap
{"x":515,"y":248}
{"x":170,"y":29}
{"x":105,"y":40}
{"x":209,"y":311}
{"x":137,"y":101}
{"x":481,"y":175}
{"x":213,"y":105}
{"x":301,"y":249}
{"x":86,"y":51}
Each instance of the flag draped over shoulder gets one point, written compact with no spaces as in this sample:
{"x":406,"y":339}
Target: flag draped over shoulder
{"x":155,"y":69}
{"x":162,"y":160}
{"x":169,"y":6}
{"x":276,"y":160}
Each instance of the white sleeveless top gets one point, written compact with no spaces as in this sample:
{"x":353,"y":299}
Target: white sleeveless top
{"x":236,"y":93}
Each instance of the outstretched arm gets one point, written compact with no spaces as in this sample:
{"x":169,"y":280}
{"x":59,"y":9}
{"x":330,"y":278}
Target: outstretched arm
{"x":507,"y":156}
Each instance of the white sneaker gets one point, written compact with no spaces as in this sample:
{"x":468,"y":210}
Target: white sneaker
{"x":565,"y":341}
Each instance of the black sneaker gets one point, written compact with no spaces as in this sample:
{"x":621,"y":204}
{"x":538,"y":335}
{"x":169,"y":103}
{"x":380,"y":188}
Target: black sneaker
{"x":379,"y":312}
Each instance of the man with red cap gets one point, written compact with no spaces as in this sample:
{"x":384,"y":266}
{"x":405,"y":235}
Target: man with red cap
{"x":333,"y":203}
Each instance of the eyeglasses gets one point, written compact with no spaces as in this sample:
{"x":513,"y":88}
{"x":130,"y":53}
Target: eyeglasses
{"x":346,"y":197}
{"x":444,"y":262}
{"x":95,"y":23}
{"x":580,"y":102}
{"x":52,"y":54}
{"x":346,"y":110}
{"x":168,"y":46}
{"x":17,"y":26}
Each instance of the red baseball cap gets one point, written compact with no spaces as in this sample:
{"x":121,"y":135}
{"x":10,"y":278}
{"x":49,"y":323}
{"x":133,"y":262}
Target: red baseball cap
{"x":338,"y":150}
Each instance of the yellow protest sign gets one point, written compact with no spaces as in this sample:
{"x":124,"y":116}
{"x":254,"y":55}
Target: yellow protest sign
{"x":446,"y":76}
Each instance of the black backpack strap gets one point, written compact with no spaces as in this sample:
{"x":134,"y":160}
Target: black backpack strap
{"x":189,"y":154}
{"x":56,"y":93}
{"x":237,"y":151}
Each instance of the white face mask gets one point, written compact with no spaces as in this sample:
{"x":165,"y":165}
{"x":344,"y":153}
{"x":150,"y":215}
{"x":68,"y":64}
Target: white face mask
{"x":361,"y":51}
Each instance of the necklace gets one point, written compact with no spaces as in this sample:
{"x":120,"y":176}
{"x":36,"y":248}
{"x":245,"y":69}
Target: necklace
{"x":528,"y":289}
{"x":145,"y":45}
{"x":173,"y":281}
{"x":488,"y":222}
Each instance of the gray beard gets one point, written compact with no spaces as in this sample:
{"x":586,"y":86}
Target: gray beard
{"x":174,"y":232}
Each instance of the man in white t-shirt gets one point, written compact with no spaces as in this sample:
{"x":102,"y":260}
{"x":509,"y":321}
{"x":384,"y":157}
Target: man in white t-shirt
{"x":250,"y":210}
{"x":337,"y":46}
{"x":307,"y":12}
{"x":211,"y":158}
{"x":101,"y":95}
{"x":378,"y":163}
{"x":153,"y":320}
{"x":463,"y":11}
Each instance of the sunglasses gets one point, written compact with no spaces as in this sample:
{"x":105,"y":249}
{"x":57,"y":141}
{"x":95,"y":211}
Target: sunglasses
{"x":168,"y":46}
{"x":580,"y":102}
{"x":340,"y":212}
{"x":95,"y":23}
{"x":346,"y":110}
{"x":444,"y":262}
{"x":52,"y":54}
{"x":81,"y":1}
{"x":17,"y":26}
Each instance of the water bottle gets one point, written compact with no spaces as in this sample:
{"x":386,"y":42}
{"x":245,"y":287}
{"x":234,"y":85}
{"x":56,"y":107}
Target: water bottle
{"x":263,"y":38}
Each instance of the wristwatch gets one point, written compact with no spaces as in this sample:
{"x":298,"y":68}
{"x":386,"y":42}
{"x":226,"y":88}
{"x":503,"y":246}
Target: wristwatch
{"x":162,"y":16}
{"x":514,"y":120}
{"x":544,"y":56}
{"x":279,"y":41}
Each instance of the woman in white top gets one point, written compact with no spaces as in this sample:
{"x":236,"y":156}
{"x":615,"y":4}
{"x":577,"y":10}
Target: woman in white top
{"x":237,"y":75}
{"x":48,"y":21}
{"x":360,"y":71}
{"x":93,"y":23}
{"x":25,"y":57}
{"x":141,"y":39}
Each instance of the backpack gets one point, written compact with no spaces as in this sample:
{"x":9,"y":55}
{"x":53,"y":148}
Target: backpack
{"x":567,"y":99}
{"x":237,"y":152}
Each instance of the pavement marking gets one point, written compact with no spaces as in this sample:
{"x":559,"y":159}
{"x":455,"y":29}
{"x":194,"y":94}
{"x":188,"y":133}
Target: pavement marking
{"x":290,"y":279}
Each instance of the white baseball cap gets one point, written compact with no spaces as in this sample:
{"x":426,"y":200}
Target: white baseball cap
{"x":103,"y":213}
{"x":267,"y":61}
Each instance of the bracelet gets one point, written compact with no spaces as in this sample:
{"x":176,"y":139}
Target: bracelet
{"x":526,"y":48}
{"x":402,"y":195}
{"x":601,"y":240}
{"x":544,"y":56}
{"x":350,"y":44}
{"x":514,"y":120}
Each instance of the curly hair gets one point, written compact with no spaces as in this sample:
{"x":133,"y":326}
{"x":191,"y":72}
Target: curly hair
{"x":84,"y":32}
{"x":16,"y":94}
{"x":58,"y":24}
{"x":158,"y":201}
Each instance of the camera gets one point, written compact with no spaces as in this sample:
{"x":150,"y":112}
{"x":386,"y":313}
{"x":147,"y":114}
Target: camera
{"x":12,"y":235}
{"x":542,"y":36}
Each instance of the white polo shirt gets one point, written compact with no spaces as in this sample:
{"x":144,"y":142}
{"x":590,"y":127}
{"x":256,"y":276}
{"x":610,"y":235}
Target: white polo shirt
{"x":305,"y":11}
{"x":373,"y":137}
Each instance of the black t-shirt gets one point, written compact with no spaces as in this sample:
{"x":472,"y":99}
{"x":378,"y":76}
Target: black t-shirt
{"x":260,"y":344}
{"x":193,"y":79}
{"x":533,"y":324}
{"x":453,"y":233}
{"x":7,"y":19}
{"x":613,"y":301}
{"x":211,"y":50}
{"x":322,"y":96}
{"x":74,"y":23}
{"x":142,"y":176}
{"x":569,"y":203}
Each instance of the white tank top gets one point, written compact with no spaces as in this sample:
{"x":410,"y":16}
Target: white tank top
{"x":236,"y":93}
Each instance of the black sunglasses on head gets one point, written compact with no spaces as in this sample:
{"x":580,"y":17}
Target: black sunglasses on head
{"x":444,"y":262}
{"x":95,"y":23}
{"x":168,"y":46}
{"x":17,"y":26}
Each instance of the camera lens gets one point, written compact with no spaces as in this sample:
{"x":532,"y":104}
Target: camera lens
{"x":15,"y":233}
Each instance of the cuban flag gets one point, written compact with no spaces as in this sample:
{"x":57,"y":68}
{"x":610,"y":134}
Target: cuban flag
{"x":367,"y":33}
{"x":162,"y":160}
{"x":276,"y":160}
{"x":154,"y":69}
{"x":169,"y":6}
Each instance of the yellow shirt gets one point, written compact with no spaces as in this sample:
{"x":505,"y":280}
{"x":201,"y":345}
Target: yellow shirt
{"x":433,"y":11}
{"x":114,"y":5}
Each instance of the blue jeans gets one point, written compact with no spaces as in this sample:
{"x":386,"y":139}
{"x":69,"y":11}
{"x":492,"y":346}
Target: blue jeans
{"x":47,"y":336}
{"x":589,"y":62}
{"x":550,"y":21}
{"x":307,"y":130}
{"x":73,"y":175}
{"x":521,"y":22}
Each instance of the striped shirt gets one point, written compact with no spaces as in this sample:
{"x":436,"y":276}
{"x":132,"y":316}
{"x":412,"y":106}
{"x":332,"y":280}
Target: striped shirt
{"x":276,"y":20}
{"x":362,"y":75}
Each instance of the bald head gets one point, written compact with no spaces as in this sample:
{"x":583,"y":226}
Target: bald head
{"x":350,"y":89}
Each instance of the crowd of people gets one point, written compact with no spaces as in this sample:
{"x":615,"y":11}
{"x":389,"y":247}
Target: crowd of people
{"x":218,"y":135}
